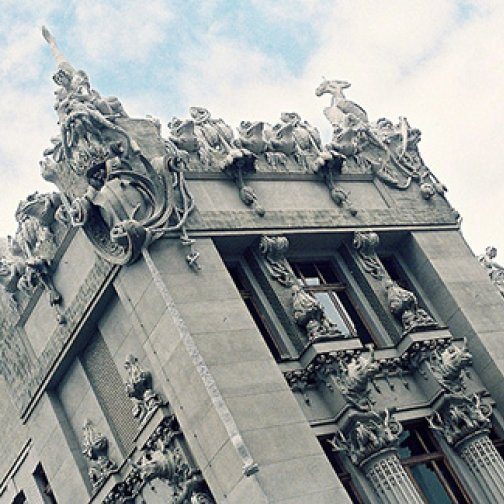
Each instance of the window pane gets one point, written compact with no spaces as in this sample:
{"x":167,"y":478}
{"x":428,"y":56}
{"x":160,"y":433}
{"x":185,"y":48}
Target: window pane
{"x":429,"y":483}
{"x":332,"y":312}
{"x":360,"y":328}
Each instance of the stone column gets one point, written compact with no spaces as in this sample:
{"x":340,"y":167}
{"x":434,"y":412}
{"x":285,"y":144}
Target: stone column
{"x":485,"y":462}
{"x":370,"y":439}
{"x":465,"y":423}
{"x":389,"y":479}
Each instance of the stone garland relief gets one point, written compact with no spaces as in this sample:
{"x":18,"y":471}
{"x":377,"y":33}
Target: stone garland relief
{"x":402,"y":303}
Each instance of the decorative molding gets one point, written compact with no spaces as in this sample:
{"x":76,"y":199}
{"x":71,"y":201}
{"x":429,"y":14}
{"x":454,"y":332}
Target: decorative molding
{"x":95,"y":449}
{"x":139,"y":389}
{"x":273,"y":249}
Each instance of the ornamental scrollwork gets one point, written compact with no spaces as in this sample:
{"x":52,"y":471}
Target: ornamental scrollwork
{"x":95,"y":449}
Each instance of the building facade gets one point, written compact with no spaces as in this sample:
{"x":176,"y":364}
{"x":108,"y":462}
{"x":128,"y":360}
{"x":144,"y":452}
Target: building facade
{"x":245,"y":316}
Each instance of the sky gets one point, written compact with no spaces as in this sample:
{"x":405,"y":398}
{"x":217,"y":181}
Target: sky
{"x":440,"y":63}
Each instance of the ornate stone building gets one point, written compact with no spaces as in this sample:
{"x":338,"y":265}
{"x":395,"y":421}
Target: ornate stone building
{"x":244,"y":316}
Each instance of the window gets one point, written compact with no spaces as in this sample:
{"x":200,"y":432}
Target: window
{"x":44,"y":485}
{"x":274,"y":342}
{"x":427,"y":466}
{"x":343,"y":475}
{"x":319,"y":278}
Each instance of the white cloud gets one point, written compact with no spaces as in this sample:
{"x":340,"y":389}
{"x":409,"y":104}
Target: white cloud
{"x":121,"y":29}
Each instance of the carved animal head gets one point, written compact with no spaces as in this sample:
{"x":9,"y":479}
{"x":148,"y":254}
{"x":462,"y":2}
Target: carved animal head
{"x":333,"y":87}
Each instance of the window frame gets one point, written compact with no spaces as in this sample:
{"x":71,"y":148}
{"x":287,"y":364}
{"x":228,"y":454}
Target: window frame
{"x":356,"y":296}
{"x":432,"y":456}
{"x":275,"y":329}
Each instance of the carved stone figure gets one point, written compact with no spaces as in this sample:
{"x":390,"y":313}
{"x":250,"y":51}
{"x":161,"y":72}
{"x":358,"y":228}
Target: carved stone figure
{"x":274,"y":248}
{"x":370,"y":433}
{"x":95,"y":449}
{"x":139,"y":389}
{"x":495,"y":271}
{"x":183,"y":135}
{"x":404,"y":305}
{"x":353,"y":379}
{"x":461,"y":417}
{"x":366,"y":244}
{"x":251,"y":137}
{"x":123,"y":200}
{"x":389,"y":152}
{"x":449,"y":364}
{"x":340,"y":105}
{"x":310,"y":315}
{"x":28,"y":263}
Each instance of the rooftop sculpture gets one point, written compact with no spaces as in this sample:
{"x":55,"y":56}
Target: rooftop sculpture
{"x":125,"y":193}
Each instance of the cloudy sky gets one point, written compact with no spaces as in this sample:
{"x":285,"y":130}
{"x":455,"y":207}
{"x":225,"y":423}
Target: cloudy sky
{"x":438,"y":62}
